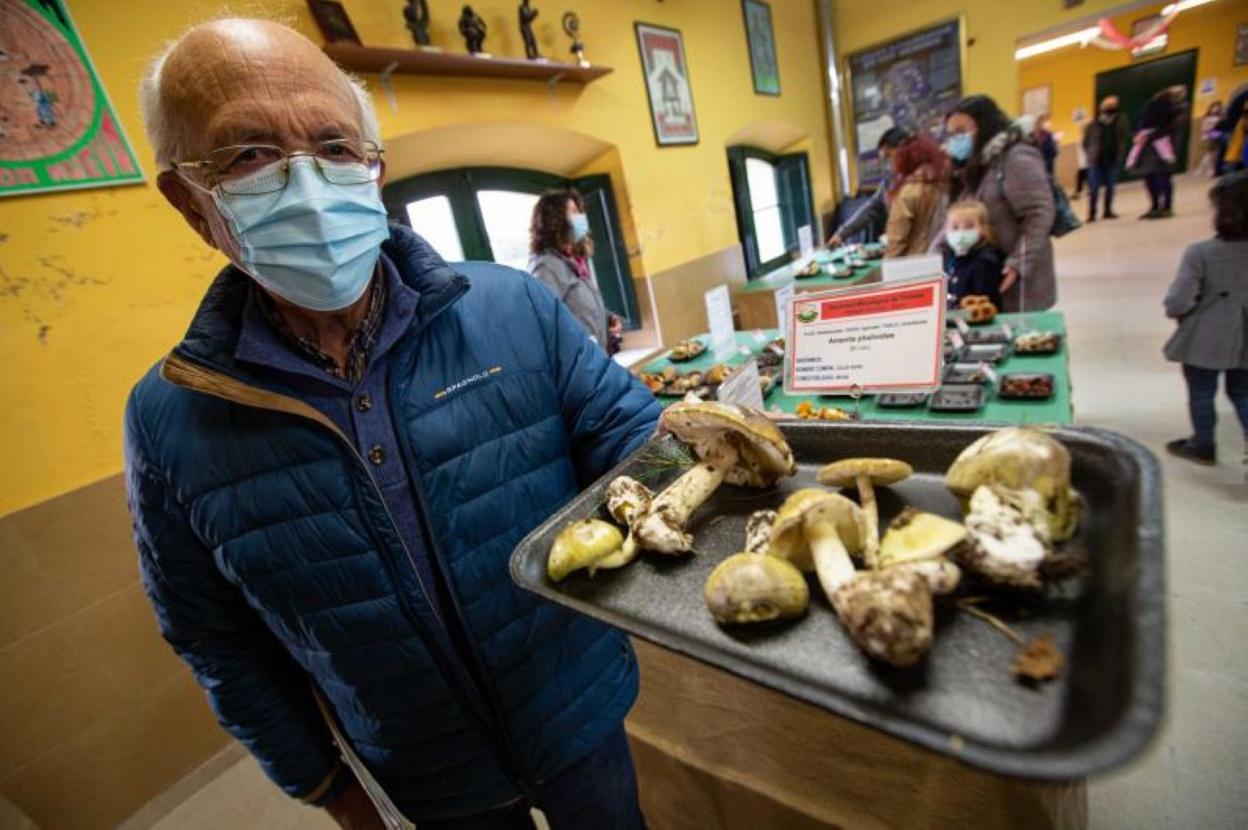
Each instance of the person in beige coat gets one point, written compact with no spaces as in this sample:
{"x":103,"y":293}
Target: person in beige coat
{"x":919,"y":196}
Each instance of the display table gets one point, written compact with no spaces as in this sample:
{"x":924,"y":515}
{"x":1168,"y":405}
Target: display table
{"x":717,"y":751}
{"x":755,"y":301}
{"x":1056,"y":410}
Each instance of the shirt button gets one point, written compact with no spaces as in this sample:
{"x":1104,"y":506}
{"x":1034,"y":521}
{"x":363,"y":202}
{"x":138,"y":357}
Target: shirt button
{"x":377,"y":455}
{"x":364,"y":402}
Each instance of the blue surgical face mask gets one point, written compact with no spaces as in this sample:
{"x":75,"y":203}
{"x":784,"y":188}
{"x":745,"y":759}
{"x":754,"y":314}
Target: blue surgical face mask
{"x":962,"y":241}
{"x":579,"y":223}
{"x":314,"y":244}
{"x":959,"y":146}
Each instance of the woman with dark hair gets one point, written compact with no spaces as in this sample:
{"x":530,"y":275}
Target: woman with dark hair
{"x":1209,"y":298}
{"x":1045,"y":142}
{"x":1155,"y":147}
{"x":559,"y":252}
{"x":1212,"y":140}
{"x":918,"y":197}
{"x":998,"y":165}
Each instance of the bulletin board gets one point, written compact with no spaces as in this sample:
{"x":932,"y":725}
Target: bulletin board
{"x":58,"y":130}
{"x":909,"y":82}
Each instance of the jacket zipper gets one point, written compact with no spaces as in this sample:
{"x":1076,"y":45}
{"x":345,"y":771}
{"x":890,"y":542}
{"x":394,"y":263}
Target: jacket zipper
{"x":301,"y":409}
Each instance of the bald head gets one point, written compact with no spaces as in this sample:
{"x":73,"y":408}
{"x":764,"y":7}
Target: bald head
{"x":240,"y":81}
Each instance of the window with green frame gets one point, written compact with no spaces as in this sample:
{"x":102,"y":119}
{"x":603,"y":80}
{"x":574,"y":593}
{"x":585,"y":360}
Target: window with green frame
{"x":483,"y":213}
{"x":771,"y":195}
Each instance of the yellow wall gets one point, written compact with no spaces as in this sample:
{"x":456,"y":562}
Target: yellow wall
{"x":1071,"y":72}
{"x":109,"y":278}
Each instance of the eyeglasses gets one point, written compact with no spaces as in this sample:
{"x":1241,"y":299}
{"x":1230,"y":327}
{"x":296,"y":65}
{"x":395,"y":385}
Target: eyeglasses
{"x":255,"y":169}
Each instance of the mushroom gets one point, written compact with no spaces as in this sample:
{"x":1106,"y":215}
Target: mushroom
{"x":919,"y":542}
{"x":736,"y":445}
{"x":1021,"y":458}
{"x":580,"y":545}
{"x":1007,"y":539}
{"x":866,"y":474}
{"x":751,"y":587}
{"x":888,"y":614}
{"x":626,"y":498}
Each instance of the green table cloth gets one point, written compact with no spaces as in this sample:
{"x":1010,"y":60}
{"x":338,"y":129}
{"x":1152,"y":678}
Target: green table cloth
{"x":1056,"y":410}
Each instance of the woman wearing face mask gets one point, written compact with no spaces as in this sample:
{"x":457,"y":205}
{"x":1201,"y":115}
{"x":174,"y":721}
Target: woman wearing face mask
{"x":916,"y":209}
{"x":1213,"y":141}
{"x":559,"y":252}
{"x":1046,"y":142}
{"x":999,"y":166}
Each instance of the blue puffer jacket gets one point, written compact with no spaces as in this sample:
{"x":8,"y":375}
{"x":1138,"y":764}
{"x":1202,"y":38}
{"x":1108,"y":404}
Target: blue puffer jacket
{"x":274,"y":567}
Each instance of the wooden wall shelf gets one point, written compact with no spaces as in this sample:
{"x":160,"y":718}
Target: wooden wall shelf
{"x":419,"y":62}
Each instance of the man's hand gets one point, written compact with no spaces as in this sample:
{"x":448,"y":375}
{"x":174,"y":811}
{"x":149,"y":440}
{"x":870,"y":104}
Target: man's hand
{"x":1009,"y":276}
{"x":835,"y":241}
{"x":353,"y":810}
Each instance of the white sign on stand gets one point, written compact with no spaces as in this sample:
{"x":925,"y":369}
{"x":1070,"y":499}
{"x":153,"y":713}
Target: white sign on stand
{"x":806,"y":241}
{"x":742,"y":387}
{"x":719,"y":321}
{"x":866,"y":339}
{"x":783,"y":295}
{"x":897,"y":269}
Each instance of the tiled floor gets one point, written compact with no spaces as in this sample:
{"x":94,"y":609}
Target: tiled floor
{"x":1113,"y":277}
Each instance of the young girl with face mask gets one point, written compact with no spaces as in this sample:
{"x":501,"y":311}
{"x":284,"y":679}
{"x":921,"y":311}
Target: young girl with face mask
{"x":972,"y":259}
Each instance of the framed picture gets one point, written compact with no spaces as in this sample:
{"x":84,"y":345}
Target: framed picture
{"x":331,"y":18}
{"x":667,"y":85}
{"x":1241,"y":44}
{"x":910,"y":82}
{"x":762,"y":41}
{"x":58,"y":130}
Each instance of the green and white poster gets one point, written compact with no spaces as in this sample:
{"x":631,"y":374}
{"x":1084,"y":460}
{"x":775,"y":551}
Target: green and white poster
{"x":58,"y":130}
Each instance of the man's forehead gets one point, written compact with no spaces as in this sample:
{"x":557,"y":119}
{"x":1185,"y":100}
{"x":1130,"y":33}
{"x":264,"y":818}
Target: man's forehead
{"x":219,"y":82}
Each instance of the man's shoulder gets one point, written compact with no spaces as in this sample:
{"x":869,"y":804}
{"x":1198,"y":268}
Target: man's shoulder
{"x":155,"y":405}
{"x":498,"y":286}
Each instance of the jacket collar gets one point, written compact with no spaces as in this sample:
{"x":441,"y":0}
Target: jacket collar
{"x":213,"y":335}
{"x":1007,"y":138}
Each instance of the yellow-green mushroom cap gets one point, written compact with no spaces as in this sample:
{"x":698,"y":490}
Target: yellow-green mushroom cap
{"x":580,"y":545}
{"x":748,"y":588}
{"x":812,"y":504}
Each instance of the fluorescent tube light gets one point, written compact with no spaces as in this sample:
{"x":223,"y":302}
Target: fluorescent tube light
{"x":1059,"y":42}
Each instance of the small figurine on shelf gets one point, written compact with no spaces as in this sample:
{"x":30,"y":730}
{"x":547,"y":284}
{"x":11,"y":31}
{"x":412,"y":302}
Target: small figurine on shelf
{"x":472,"y":27}
{"x":416,"y":13}
{"x":527,"y":15}
{"x":572,"y":28}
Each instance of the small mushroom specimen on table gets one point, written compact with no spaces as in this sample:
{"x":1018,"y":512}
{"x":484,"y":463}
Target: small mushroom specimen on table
{"x":866,"y":474}
{"x":920,"y":541}
{"x":580,"y":545}
{"x":734,"y":444}
{"x":887,"y":613}
{"x":752,"y":587}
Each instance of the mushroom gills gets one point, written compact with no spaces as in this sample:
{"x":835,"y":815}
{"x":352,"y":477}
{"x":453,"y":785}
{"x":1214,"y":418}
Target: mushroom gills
{"x":1007,"y":537}
{"x":758,"y":531}
{"x":752,"y":588}
{"x":580,"y":545}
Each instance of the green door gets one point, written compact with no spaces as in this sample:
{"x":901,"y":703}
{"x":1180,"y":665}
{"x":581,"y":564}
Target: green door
{"x":1137,"y":83}
{"x":483,"y":213}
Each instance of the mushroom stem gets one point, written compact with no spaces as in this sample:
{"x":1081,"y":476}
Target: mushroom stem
{"x":661,"y":527}
{"x":832,"y":563}
{"x":866,"y":498}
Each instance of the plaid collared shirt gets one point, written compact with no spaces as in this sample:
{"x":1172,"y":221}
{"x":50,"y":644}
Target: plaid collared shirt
{"x":361,"y":341}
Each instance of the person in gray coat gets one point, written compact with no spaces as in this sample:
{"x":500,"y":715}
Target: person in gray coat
{"x":998,"y":165}
{"x":559,"y":256}
{"x":1209,"y":298}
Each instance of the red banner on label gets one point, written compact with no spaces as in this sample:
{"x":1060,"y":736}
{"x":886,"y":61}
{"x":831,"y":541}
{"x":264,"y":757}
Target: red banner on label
{"x":889,"y":303}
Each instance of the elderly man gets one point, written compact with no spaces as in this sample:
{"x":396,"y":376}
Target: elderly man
{"x":328,"y":473}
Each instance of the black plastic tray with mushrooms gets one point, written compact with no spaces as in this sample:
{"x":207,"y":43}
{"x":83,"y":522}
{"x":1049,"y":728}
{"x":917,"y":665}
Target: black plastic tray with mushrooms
{"x":958,"y":398}
{"x":901,"y":400}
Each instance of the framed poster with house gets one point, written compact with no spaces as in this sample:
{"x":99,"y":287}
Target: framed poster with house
{"x":667,"y":85}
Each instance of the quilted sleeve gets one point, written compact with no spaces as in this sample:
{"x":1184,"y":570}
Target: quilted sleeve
{"x":260,"y":696}
{"x":608,"y":413}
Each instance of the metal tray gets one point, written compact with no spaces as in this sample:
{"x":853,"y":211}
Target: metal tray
{"x":901,"y":400}
{"x":1100,"y":713}
{"x":959,"y":373}
{"x":1004,"y":392}
{"x":958,"y":398}
{"x":985,"y":352}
